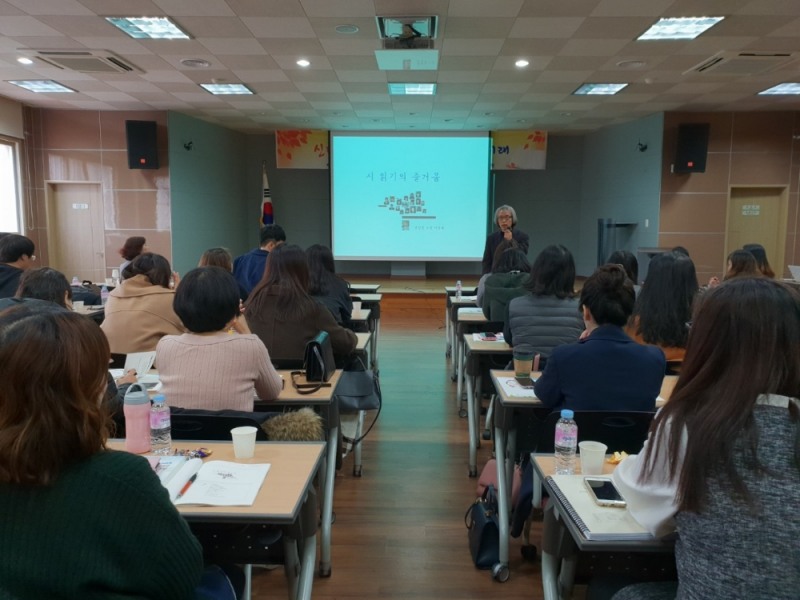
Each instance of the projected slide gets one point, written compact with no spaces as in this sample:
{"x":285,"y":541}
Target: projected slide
{"x":409,"y":198}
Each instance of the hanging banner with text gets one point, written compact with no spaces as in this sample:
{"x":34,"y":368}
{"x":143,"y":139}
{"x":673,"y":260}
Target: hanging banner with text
{"x":302,"y":149}
{"x":519,"y":150}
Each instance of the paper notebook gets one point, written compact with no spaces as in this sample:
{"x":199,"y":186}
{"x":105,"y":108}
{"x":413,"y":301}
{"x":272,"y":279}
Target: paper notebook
{"x":597,"y":523}
{"x":217,"y":482}
{"x":795,"y":271}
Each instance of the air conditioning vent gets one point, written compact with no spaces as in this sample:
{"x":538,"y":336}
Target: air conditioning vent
{"x":737,"y":64}
{"x":412,"y":43}
{"x":84,"y":61}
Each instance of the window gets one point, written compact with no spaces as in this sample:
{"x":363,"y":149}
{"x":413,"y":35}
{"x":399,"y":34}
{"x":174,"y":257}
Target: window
{"x":10,"y":205}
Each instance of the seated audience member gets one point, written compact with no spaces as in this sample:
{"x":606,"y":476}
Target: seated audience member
{"x":133,"y":247}
{"x":721,"y":464}
{"x":548,"y":315}
{"x":325,"y":286}
{"x":16,"y":256}
{"x":41,"y":285}
{"x":760,"y":254}
{"x":740,"y":263}
{"x":139,"y":311}
{"x":507,"y":281}
{"x":209,"y":367}
{"x":102,"y":515}
{"x":221,"y":257}
{"x":249,"y":268}
{"x":505,"y":217}
{"x":281,"y":313}
{"x":664,"y":306}
{"x":481,"y":287}
{"x":606,"y":370}
{"x":630,"y":263}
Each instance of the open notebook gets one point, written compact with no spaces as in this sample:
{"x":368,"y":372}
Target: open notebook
{"x":795,"y":271}
{"x":597,"y":523}
{"x":215,"y":483}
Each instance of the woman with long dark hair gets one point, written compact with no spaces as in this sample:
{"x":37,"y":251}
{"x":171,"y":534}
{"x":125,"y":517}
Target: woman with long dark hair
{"x":760,"y":254}
{"x":549,"y":314}
{"x":103,"y":517}
{"x":664,"y":306}
{"x":281,"y":312}
{"x":325,"y":286}
{"x":722,"y":463}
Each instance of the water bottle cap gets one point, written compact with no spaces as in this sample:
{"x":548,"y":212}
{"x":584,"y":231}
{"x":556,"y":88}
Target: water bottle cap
{"x":567,"y":414}
{"x":136,"y":394}
{"x":159,"y":399}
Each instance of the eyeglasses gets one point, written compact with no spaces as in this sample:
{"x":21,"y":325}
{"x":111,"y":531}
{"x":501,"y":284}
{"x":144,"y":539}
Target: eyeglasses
{"x":505,"y":218}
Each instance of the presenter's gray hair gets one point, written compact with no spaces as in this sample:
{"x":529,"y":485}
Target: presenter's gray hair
{"x":507,"y":209}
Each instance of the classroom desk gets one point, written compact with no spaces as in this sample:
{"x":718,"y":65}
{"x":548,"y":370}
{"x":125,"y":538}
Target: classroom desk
{"x":477,"y":348}
{"x":282,"y":500}
{"x":321,"y":400}
{"x":366,"y":288}
{"x":360,"y":316}
{"x":469,"y":319}
{"x":451,"y":316}
{"x":373,"y":303}
{"x":560,"y":531}
{"x":91,"y":310}
{"x":505,"y":441}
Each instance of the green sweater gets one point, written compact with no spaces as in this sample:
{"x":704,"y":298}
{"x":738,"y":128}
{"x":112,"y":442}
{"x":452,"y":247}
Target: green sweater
{"x":106,"y":529}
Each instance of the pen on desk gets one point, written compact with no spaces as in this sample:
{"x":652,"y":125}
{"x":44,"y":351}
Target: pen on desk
{"x":186,"y":486}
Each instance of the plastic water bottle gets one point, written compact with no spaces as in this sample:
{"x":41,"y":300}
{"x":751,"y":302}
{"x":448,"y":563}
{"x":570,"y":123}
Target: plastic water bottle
{"x":160,"y":426}
{"x":566,"y":443}
{"x":458,"y":290}
{"x":75,"y":281}
{"x":103,"y":295}
{"x":136,"y":407}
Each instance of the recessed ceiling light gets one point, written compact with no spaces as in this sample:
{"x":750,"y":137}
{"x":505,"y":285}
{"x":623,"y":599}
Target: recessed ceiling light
{"x":679,"y":28}
{"x":195,"y":63}
{"x":24,"y":61}
{"x":566,"y":114}
{"x":412,"y":89}
{"x":782,"y":89}
{"x":158,"y":28}
{"x":522,"y":120}
{"x":599,"y":89}
{"x":303,"y":62}
{"x":227,"y":89}
{"x":347,"y":29}
{"x":521,"y":63}
{"x":42,"y":86}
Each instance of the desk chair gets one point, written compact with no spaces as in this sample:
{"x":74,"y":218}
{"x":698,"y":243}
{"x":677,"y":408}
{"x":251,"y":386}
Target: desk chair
{"x":227,"y":544}
{"x":619,"y":430}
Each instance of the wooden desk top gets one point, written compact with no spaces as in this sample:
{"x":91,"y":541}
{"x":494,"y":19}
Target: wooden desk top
{"x":465,"y":289}
{"x":467,"y":316}
{"x":363,"y":339}
{"x":369,"y":288}
{"x":484,"y":347}
{"x":546,"y":465}
{"x":289,"y":395}
{"x":360,"y":315}
{"x":369,"y":298}
{"x":293,"y":465}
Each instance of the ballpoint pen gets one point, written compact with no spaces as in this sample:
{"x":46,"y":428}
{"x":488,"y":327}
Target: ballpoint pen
{"x":186,"y":486}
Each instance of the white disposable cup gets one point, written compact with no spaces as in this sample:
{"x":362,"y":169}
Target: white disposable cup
{"x":244,"y":441}
{"x":78,"y":305}
{"x":115,"y":273}
{"x":109,"y":281}
{"x":592,"y":456}
{"x":356,"y":305}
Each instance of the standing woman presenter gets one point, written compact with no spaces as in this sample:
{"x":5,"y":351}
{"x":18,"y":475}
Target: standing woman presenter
{"x":505,"y":217}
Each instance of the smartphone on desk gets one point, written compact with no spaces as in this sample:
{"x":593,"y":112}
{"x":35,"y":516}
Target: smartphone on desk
{"x":604,"y":492}
{"x":525,"y":382}
{"x":488,"y":336}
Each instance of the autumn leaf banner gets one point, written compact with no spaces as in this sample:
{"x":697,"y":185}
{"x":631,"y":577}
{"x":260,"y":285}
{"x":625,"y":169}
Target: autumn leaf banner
{"x":302,"y":149}
{"x":526,"y":150}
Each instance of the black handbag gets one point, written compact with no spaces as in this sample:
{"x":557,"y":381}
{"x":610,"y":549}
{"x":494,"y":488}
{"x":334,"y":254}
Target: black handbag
{"x":483,"y":529}
{"x":318,"y":364}
{"x":358,"y":389}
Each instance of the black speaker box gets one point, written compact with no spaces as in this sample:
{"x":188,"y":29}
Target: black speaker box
{"x":142,"y":147}
{"x":690,"y":154}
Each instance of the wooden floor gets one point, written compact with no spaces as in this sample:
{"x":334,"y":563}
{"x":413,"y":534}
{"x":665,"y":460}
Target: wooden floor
{"x":399,"y":529}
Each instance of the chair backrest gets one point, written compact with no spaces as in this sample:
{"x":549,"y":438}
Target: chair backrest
{"x":619,"y":430}
{"x":187,"y":425}
{"x":117,"y":361}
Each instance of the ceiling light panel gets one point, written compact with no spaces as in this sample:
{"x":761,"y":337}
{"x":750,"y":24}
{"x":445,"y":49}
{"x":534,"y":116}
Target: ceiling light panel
{"x":42,"y":86}
{"x":412,"y":89}
{"x":680,"y":28}
{"x":157,"y":28}
{"x":227,"y":89}
{"x":599,"y":89}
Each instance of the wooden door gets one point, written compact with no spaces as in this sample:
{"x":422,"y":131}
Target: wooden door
{"x":758,"y":216}
{"x":75,"y":229}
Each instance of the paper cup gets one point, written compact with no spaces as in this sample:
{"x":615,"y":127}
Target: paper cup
{"x":109,"y":281}
{"x":592,"y":456}
{"x":77,"y":305}
{"x":523,"y":363}
{"x":244,"y":441}
{"x":356,"y":305}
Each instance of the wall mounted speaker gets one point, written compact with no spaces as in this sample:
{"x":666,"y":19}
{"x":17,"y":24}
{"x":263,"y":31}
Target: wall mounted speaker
{"x":692,"y":148}
{"x":142,"y":146}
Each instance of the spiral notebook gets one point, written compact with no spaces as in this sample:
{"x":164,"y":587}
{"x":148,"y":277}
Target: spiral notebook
{"x":596,"y":523}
